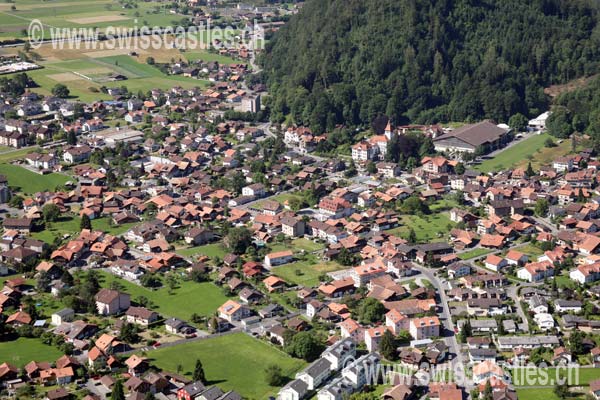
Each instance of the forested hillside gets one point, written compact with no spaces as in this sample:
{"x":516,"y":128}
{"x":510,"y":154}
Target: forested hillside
{"x":347,"y":61}
{"x":578,"y":111}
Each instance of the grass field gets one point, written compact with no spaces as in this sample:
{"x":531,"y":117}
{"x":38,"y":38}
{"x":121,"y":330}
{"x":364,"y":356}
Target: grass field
{"x":12,"y":154}
{"x":309,"y":271}
{"x":209,"y":250}
{"x":29,"y":182}
{"x":70,"y":225}
{"x":474,"y":253}
{"x":188,"y":298}
{"x":233,"y":362}
{"x":533,"y":149}
{"x":572,"y":376}
{"x":23,"y":350}
{"x":296,"y":245}
{"x":427,"y":227}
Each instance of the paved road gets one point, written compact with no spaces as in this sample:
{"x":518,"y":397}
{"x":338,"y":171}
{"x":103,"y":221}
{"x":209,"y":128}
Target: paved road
{"x":449,"y":336}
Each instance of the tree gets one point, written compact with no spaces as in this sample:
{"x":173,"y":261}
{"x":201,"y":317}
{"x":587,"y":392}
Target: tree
{"x":85,"y":223}
{"x":459,"y":168}
{"x":150,"y":61}
{"x":71,"y":137}
{"x":518,"y":122}
{"x":117,"y":391}
{"x":304,"y":345}
{"x":411,"y":238}
{"x":371,"y":311}
{"x":274,"y":376}
{"x":466,"y":331}
{"x":238,"y":239}
{"x":150,"y":280}
{"x":541,"y":207}
{"x":576,"y":343}
{"x":199,"y":372}
{"x":16,"y":202}
{"x":51,"y":212}
{"x":559,"y":123}
{"x":61,"y":91}
{"x":129,"y":333}
{"x":387,"y":346}
{"x":530,"y":172}
{"x":43,"y":281}
{"x":561,"y":391}
{"x":488,"y":393}
{"x":371,"y":167}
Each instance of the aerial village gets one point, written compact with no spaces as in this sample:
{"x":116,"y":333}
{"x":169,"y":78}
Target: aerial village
{"x":181,"y":246}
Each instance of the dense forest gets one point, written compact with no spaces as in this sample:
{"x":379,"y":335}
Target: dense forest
{"x":577,"y":111}
{"x":348,"y":61}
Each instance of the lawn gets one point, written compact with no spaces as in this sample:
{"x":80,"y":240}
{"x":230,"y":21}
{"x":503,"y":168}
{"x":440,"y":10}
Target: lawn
{"x":478,"y":252}
{"x":29,"y":182}
{"x":532,"y":251}
{"x":69,"y":225}
{"x":532,"y":148}
{"x":233,"y":362}
{"x":15,"y":154}
{"x":188,"y":298}
{"x":512,"y":156}
{"x":427,"y":227}
{"x":309,"y":272}
{"x":209,"y":250}
{"x":572,"y":376}
{"x":23,"y":350}
{"x":296,"y":245}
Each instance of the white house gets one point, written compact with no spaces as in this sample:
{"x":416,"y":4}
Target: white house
{"x":294,"y":390}
{"x":315,"y":374}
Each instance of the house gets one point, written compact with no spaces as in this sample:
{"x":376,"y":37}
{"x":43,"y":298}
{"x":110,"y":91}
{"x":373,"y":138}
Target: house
{"x":198,"y":236}
{"x":233,"y":311}
{"x":274,"y":283}
{"x":586,"y":273}
{"x":544,"y":321}
{"x":177,"y":326}
{"x":58,"y":394}
{"x":316,"y":373}
{"x":110,"y":302}
{"x":486,"y":370}
{"x":565,"y":306}
{"x":140,"y":316}
{"x":514,"y":257}
{"x":76,"y":154}
{"x":292,"y":226}
{"x":495,"y":263}
{"x":136,"y":365}
{"x":256,"y":190}
{"x":358,"y":373}
{"x":423,"y":328}
{"x":349,"y":328}
{"x":293,"y":390}
{"x":337,"y":389}
{"x":537,"y":271}
{"x":191,"y":391}
{"x":373,"y":337}
{"x":538,"y":304}
{"x":64,"y":315}
{"x":278,"y":258}
{"x":339,"y":353}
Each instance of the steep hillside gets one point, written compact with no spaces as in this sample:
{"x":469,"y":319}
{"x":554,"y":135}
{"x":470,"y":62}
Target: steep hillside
{"x":347,"y":61}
